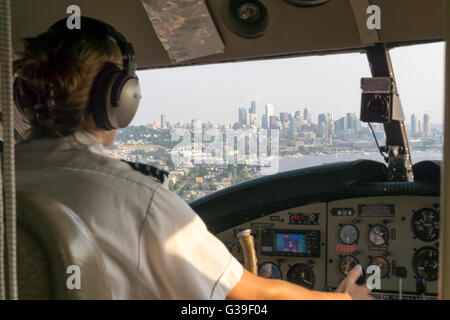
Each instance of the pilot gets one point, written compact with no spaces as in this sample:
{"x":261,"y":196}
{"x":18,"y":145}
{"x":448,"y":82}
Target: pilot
{"x":75,"y":88}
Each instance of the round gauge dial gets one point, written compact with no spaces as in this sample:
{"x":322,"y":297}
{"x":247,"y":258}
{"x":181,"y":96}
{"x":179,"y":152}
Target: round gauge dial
{"x":425,"y":224}
{"x":347,"y":263}
{"x":378,"y":235}
{"x":302,"y":275}
{"x":349,"y":234}
{"x":269,"y":270}
{"x":382,"y":263}
{"x":426,"y":263}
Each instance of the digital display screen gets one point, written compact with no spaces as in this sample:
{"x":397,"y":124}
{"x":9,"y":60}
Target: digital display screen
{"x":290,"y":242}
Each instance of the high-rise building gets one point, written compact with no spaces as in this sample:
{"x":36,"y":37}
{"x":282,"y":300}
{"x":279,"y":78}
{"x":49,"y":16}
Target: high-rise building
{"x":349,"y":121}
{"x":270,"y":109}
{"x":273,"y":122}
{"x":252,"y":120}
{"x":296,"y":126}
{"x":252,"y":115}
{"x":163,"y":121}
{"x":331,"y":129}
{"x":341,"y":124}
{"x":284,"y":116}
{"x":322,"y":118}
{"x":266,"y":117}
{"x":298,"y":115}
{"x":307,"y":116}
{"x":243,"y":117}
{"x":253,"y":107}
{"x":427,"y":125}
{"x":322,"y":130}
{"x":353,"y":122}
{"x":330,"y":117}
{"x":413,"y":125}
{"x":285,"y":120}
{"x":419,"y":127}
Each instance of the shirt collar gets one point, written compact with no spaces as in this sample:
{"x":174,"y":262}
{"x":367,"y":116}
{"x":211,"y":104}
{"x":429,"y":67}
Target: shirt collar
{"x":78,"y":140}
{"x":83,"y":139}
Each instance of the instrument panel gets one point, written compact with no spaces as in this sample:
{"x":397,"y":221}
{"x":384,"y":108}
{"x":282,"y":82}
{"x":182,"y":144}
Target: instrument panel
{"x":394,"y":238}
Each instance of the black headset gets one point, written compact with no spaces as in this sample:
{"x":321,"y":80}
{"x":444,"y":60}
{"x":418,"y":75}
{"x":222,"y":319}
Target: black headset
{"x":115,"y":94}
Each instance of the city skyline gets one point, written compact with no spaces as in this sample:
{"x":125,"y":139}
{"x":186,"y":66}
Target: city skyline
{"x":246,"y":117}
{"x":213,"y":92}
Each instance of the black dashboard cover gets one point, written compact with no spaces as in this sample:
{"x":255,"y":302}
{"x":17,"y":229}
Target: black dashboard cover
{"x":427,"y":171}
{"x":247,"y":201}
{"x":252,"y":199}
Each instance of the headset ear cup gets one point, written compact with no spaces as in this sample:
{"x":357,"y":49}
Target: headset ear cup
{"x":100,"y":97}
{"x":125,"y":98}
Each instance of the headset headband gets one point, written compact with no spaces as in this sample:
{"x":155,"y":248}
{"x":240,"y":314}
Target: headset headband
{"x":100,"y":29}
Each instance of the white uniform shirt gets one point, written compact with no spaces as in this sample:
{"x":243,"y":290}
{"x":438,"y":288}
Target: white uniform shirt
{"x":153,"y":244}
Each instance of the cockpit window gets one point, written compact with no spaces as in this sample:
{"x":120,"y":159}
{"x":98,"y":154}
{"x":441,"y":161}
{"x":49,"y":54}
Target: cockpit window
{"x":420,"y":73}
{"x":217,"y":125}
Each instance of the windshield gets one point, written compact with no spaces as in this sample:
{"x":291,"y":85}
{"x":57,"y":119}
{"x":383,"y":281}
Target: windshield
{"x":217,"y":125}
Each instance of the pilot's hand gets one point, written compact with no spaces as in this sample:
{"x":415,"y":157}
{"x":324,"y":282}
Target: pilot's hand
{"x":348,"y":285}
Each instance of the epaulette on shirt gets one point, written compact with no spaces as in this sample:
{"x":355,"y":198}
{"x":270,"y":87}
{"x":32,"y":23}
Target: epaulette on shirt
{"x":148,"y":170}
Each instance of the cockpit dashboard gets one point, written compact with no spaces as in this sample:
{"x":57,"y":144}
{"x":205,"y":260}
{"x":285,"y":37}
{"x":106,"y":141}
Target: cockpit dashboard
{"x":391,"y":229}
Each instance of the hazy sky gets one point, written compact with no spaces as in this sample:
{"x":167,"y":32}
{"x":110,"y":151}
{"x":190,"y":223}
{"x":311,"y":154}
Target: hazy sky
{"x":327,"y":84}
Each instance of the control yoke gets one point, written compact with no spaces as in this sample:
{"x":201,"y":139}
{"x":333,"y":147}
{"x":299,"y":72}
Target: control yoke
{"x":248,"y":248}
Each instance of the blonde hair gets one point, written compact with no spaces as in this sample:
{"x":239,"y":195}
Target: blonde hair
{"x":69,"y":64}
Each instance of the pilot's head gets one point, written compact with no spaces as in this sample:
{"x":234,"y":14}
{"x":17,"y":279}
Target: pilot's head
{"x":74,"y":80}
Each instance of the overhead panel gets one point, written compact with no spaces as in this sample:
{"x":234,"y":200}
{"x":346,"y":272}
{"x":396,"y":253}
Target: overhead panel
{"x":332,"y":26}
{"x":368,"y":36}
{"x":411,"y":20}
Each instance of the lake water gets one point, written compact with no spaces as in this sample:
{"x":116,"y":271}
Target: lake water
{"x":287,"y":164}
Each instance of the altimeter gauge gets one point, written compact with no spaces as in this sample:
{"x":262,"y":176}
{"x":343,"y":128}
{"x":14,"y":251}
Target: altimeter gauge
{"x":348,"y":234}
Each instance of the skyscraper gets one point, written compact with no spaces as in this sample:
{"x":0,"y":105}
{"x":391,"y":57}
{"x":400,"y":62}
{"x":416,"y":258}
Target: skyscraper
{"x":427,"y":125}
{"x":341,"y":124}
{"x":413,"y":125}
{"x":163,"y":121}
{"x":252,"y":115}
{"x":307,"y":114}
{"x":270,"y":109}
{"x":322,"y":118}
{"x":243,"y":117}
{"x":266,"y":117}
{"x":273,"y":122}
{"x":322,"y":130}
{"x":330,"y":117}
{"x":284,"y":116}
{"x":253,"y":107}
{"x":353,"y":122}
{"x":252,"y":120}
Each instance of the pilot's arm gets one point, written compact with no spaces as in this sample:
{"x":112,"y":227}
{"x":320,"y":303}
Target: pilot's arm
{"x":180,"y":259}
{"x":252,"y":287}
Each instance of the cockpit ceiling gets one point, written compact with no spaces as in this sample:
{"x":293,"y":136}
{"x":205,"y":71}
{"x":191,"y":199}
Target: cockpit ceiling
{"x":292,"y":30}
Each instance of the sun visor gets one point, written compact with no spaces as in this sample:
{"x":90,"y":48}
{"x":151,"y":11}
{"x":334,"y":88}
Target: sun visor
{"x":185,"y":28}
